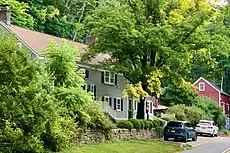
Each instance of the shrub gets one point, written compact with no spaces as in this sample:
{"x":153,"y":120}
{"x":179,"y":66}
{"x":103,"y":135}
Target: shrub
{"x":150,"y":124}
{"x":130,"y":113}
{"x":159,"y":131}
{"x":125,"y":124}
{"x":136,"y":123}
{"x":157,"y":123}
{"x":98,"y":120}
{"x":162,"y":123}
{"x":110,"y":117}
{"x":154,"y":123}
{"x":167,"y":119}
{"x":142,"y":124}
{"x":146,"y":124}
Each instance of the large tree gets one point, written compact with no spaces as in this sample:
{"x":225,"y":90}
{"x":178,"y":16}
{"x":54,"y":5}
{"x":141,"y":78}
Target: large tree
{"x":143,"y":36}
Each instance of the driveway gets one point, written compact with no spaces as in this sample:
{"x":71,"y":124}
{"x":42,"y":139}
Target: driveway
{"x":210,"y":145}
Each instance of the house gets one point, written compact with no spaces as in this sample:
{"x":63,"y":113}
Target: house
{"x":208,"y":89}
{"x":105,"y":86}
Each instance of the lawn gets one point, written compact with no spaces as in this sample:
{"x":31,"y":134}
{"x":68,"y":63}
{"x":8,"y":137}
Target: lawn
{"x":131,"y":146}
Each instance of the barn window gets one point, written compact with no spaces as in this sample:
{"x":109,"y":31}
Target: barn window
{"x":202,"y":86}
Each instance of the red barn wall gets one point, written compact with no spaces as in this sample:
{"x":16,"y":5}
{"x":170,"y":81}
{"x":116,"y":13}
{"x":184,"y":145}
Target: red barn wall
{"x":208,"y":92}
{"x":225,"y":99}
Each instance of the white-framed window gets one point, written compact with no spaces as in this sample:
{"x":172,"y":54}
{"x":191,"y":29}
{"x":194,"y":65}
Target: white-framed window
{"x":85,"y":86}
{"x":201,"y":86}
{"x":135,"y":105}
{"x":109,"y":78}
{"x":92,"y":88}
{"x":106,"y":99}
{"x":118,"y":104}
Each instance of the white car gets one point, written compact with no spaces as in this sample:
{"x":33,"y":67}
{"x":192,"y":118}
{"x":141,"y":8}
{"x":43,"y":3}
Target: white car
{"x":207,"y":127}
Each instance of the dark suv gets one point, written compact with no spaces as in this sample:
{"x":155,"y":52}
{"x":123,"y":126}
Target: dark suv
{"x":179,"y":130}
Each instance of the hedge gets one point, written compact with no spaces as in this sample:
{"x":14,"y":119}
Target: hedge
{"x":142,"y":124}
{"x":151,"y":125}
{"x":136,"y":123}
{"x":125,"y":124}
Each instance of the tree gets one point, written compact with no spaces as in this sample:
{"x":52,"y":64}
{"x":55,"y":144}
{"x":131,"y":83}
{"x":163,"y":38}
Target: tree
{"x":143,"y":36}
{"x":20,"y":16}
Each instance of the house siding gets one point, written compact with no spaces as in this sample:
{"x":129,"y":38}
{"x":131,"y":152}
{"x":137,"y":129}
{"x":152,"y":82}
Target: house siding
{"x":225,"y":102}
{"x":209,"y":91}
{"x":113,"y":91}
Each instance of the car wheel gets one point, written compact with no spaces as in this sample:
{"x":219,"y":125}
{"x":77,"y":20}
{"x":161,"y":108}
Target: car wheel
{"x":213,"y":134}
{"x":166,"y":138}
{"x":194,"y":138}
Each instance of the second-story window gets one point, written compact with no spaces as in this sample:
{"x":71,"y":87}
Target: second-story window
{"x":201,"y":86}
{"x":109,"y":78}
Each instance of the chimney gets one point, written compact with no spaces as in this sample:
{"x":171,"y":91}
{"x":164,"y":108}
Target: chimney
{"x":5,"y":14}
{"x":90,"y":40}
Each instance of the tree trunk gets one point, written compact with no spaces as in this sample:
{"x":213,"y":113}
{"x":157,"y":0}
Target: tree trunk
{"x":140,"y":109}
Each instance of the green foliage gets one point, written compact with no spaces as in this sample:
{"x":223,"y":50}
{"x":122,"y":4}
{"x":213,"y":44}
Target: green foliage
{"x":136,"y":123}
{"x":112,"y":119}
{"x":146,"y":124}
{"x":125,"y":124}
{"x":98,"y":121}
{"x":30,"y":115}
{"x":142,"y":124}
{"x":151,"y":125}
{"x":169,"y":118}
{"x":211,"y":109}
{"x":20,"y":14}
{"x":159,"y":131}
{"x":130,"y":113}
{"x":156,"y":122}
{"x":181,"y":92}
{"x":192,"y":114}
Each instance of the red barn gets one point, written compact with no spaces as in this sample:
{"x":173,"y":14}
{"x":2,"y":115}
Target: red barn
{"x":214,"y":92}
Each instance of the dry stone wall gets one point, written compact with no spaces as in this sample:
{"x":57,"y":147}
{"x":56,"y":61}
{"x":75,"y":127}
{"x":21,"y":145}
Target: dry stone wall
{"x":89,"y":136}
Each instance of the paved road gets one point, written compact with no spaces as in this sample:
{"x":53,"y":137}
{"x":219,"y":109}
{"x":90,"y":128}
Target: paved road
{"x":210,"y":145}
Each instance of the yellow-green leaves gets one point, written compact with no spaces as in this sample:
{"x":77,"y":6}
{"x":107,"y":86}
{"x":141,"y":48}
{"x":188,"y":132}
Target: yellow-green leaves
{"x":134,"y":91}
{"x":154,"y":82}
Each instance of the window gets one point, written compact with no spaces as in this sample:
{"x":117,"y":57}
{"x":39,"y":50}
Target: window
{"x":92,"y":88}
{"x":174,"y":124}
{"x":86,"y":73}
{"x":151,"y":107}
{"x":106,"y":99}
{"x":84,"y":87}
{"x":109,"y":78}
{"x":135,"y":105}
{"x":201,"y":86}
{"x":118,"y":104}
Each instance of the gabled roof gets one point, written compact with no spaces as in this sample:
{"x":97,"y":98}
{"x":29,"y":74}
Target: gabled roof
{"x":37,"y":42}
{"x":217,"y":88}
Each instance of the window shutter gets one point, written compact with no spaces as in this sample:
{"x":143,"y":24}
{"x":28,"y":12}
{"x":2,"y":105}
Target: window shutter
{"x":115,"y":104}
{"x":88,"y":88}
{"x":115,"y":79}
{"x":121,"y":104}
{"x":102,"y":76}
{"x":83,"y":87}
{"x":102,"y":98}
{"x":86,"y":74}
{"x":110,"y":101}
{"x":94,"y":92}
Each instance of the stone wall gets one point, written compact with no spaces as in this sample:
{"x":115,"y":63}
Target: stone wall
{"x":117,"y":134}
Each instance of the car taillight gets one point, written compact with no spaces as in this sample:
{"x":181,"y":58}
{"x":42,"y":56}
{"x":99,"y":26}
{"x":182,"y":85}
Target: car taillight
{"x":209,"y":127}
{"x":197,"y":126}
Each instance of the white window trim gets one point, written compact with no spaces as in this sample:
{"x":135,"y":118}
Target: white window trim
{"x":110,"y":83}
{"x":201,"y":83}
{"x":223,"y":105}
{"x":117,"y":104}
{"x":92,"y":88}
{"x":86,"y":86}
{"x":106,"y":97}
{"x":135,"y":105}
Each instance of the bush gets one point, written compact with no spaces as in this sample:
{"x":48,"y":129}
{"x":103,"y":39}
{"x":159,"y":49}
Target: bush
{"x":159,"y":132}
{"x":130,"y":113}
{"x":110,"y":117}
{"x":142,"y":124}
{"x":98,"y":120}
{"x":162,"y":123}
{"x":154,"y":123}
{"x":146,"y":124}
{"x":150,"y":124}
{"x":125,"y":124}
{"x":136,"y":123}
{"x":157,"y":123}
{"x":168,"y":119}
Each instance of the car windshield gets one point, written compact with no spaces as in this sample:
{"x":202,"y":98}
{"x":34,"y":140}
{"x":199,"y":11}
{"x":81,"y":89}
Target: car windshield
{"x":205,"y":123}
{"x":174,"y":124}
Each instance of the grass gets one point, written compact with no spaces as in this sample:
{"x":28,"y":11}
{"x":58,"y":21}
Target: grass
{"x":131,"y":146}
